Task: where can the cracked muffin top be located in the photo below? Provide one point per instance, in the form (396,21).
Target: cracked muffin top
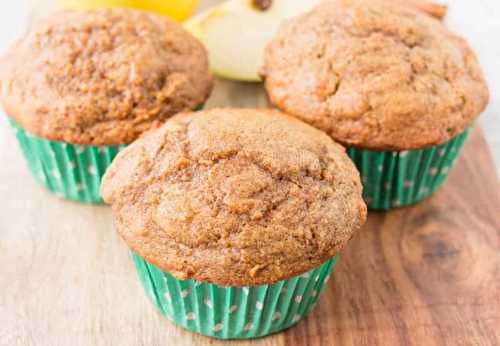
(235,197)
(102,77)
(375,75)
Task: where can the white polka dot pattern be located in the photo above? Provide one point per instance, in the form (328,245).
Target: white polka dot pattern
(69,171)
(393,179)
(208,303)
(233,312)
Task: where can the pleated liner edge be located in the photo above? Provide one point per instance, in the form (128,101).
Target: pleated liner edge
(233,312)
(69,171)
(395,179)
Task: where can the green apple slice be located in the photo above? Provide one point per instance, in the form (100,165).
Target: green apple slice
(237,31)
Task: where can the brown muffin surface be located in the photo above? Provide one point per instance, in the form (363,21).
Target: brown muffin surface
(102,77)
(235,197)
(374,74)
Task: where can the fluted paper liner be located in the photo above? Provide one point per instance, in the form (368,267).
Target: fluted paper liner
(70,171)
(233,312)
(395,179)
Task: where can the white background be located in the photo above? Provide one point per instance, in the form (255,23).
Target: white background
(478,21)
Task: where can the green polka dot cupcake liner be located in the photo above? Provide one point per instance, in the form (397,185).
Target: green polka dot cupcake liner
(70,171)
(396,179)
(233,312)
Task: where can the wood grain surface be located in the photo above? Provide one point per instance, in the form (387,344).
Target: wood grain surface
(424,275)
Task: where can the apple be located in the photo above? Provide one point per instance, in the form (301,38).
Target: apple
(237,31)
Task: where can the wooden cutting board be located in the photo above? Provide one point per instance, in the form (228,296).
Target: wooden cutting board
(423,275)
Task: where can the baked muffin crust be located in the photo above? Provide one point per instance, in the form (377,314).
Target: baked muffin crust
(102,77)
(235,197)
(375,74)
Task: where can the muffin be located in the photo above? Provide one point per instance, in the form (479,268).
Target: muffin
(79,86)
(390,83)
(234,217)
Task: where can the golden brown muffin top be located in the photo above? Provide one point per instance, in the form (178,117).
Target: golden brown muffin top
(103,76)
(374,74)
(235,197)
